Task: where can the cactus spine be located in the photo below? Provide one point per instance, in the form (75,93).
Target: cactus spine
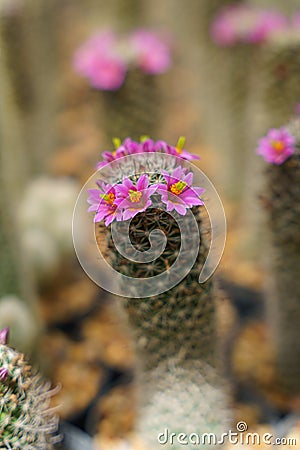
(26,421)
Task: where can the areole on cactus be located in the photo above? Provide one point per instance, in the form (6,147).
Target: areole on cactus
(26,420)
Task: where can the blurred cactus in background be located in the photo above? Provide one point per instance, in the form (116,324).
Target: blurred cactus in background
(274,93)
(26,421)
(123,68)
(239,30)
(45,216)
(29,39)
(174,331)
(15,276)
(280,148)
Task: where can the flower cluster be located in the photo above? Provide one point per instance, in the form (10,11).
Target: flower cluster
(247,24)
(277,146)
(147,145)
(105,57)
(127,198)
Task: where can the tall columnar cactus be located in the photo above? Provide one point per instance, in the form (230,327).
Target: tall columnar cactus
(26,421)
(14,276)
(275,92)
(280,148)
(235,34)
(173,323)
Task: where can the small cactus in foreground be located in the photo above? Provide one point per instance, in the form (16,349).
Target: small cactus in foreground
(26,421)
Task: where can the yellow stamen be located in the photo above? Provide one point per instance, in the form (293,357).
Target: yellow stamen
(278,146)
(178,187)
(180,144)
(135,196)
(109,198)
(116,142)
(144,138)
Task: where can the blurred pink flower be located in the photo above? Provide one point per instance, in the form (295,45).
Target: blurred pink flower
(4,336)
(297,109)
(243,23)
(99,61)
(277,146)
(296,20)
(152,52)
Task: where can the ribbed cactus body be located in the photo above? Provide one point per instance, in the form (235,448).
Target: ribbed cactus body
(134,109)
(177,323)
(283,204)
(26,422)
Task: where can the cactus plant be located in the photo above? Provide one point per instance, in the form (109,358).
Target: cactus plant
(122,69)
(15,278)
(275,92)
(280,148)
(239,30)
(172,328)
(26,421)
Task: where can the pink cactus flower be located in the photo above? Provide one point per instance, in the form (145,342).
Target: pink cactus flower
(100,62)
(277,146)
(243,23)
(152,52)
(129,147)
(134,198)
(178,192)
(4,336)
(102,202)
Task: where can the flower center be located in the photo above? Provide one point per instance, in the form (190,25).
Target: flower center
(178,187)
(178,150)
(134,196)
(109,198)
(278,146)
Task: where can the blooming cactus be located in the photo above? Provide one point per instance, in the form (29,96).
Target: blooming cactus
(153,186)
(154,189)
(282,194)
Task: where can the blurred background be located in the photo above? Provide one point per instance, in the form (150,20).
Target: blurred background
(220,73)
